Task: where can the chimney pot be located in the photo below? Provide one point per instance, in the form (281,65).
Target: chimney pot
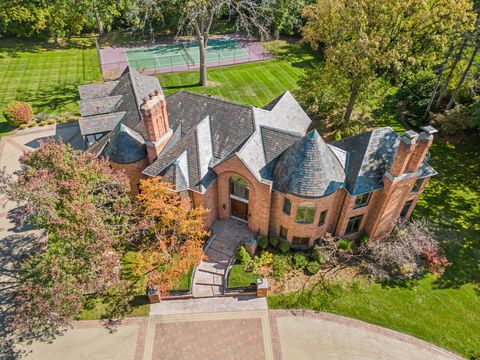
(430,130)
(412,135)
(151,95)
(157,92)
(145,99)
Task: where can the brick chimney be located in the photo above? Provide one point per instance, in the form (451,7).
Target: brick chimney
(157,127)
(424,142)
(404,152)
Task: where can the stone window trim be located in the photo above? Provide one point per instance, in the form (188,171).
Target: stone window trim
(305,213)
(418,184)
(287,206)
(283,234)
(353,225)
(322,218)
(362,200)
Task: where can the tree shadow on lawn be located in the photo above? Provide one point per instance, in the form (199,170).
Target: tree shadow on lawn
(55,99)
(452,201)
(13,47)
(296,53)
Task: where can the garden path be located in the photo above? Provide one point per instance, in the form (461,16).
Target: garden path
(209,278)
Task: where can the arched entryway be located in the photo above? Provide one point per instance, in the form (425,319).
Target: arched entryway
(239,194)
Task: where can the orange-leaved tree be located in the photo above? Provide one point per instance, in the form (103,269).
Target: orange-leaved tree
(173,233)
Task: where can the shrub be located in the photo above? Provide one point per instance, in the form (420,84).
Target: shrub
(344,245)
(320,254)
(363,239)
(72,118)
(313,267)
(243,256)
(51,121)
(31,124)
(22,126)
(17,113)
(274,241)
(284,246)
(62,119)
(255,264)
(266,258)
(280,266)
(300,259)
(453,121)
(263,242)
(42,123)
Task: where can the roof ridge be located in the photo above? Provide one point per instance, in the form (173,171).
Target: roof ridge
(214,98)
(288,132)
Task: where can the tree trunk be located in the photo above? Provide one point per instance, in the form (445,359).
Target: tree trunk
(464,76)
(458,57)
(437,83)
(351,102)
(101,29)
(203,65)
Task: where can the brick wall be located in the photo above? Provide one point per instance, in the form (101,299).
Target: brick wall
(259,194)
(209,200)
(278,218)
(133,171)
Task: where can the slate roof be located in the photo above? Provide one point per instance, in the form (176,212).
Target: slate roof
(125,146)
(100,123)
(308,168)
(270,141)
(369,156)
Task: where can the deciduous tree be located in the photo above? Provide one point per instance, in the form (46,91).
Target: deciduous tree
(366,38)
(85,209)
(172,235)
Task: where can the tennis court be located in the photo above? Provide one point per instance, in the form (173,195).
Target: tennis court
(182,55)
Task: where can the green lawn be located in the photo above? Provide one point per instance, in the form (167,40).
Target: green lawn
(185,281)
(239,277)
(253,83)
(44,75)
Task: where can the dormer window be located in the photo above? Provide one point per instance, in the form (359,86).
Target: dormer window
(93,138)
(362,200)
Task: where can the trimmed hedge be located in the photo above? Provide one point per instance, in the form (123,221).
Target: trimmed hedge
(284,246)
(313,267)
(263,242)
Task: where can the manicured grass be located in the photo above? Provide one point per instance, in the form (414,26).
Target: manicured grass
(251,84)
(446,317)
(185,281)
(239,277)
(44,75)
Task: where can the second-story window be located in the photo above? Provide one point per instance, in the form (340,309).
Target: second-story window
(417,185)
(287,206)
(362,200)
(305,213)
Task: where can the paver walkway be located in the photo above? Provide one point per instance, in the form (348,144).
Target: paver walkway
(210,275)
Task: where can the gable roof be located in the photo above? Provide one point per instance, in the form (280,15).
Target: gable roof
(308,168)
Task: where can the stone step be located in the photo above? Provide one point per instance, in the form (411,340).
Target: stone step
(207,290)
(213,272)
(216,256)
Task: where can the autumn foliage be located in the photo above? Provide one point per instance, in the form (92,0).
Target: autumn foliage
(18,112)
(83,207)
(173,233)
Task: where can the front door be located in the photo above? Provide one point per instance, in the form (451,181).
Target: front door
(239,209)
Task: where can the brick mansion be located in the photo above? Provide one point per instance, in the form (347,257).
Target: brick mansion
(261,166)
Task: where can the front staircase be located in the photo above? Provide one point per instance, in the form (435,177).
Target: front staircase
(209,278)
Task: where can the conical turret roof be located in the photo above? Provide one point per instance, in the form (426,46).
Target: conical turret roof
(308,168)
(126,146)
